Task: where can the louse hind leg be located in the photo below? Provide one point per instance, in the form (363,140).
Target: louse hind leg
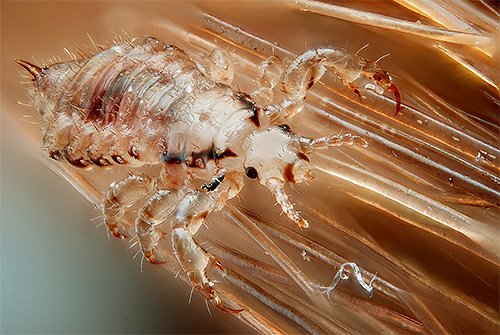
(195,260)
(190,215)
(185,211)
(123,194)
(309,67)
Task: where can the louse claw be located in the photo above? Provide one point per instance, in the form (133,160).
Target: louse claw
(397,96)
(218,303)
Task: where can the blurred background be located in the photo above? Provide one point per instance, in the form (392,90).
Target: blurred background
(60,274)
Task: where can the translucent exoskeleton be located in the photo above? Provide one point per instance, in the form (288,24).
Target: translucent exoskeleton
(145,102)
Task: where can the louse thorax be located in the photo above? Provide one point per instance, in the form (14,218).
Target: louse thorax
(277,155)
(207,138)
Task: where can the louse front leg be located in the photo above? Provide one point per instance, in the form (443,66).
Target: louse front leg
(123,194)
(309,67)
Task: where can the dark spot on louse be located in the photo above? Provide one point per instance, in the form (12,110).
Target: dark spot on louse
(303,156)
(200,159)
(94,111)
(213,185)
(251,172)
(133,152)
(255,119)
(310,84)
(80,162)
(118,159)
(288,173)
(173,159)
(250,105)
(286,128)
(56,154)
(101,161)
(226,153)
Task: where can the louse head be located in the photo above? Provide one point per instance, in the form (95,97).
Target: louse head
(277,154)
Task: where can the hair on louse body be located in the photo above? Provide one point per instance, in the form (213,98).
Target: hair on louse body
(145,102)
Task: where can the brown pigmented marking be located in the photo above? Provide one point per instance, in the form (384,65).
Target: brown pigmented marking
(94,111)
(303,156)
(133,152)
(250,105)
(101,161)
(204,215)
(288,173)
(118,159)
(226,153)
(255,119)
(55,154)
(80,162)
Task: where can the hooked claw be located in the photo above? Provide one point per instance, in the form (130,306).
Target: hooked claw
(397,96)
(224,308)
(209,293)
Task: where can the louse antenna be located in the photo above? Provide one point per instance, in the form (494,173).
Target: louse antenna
(362,48)
(382,57)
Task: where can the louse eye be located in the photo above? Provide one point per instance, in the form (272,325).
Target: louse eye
(284,127)
(251,172)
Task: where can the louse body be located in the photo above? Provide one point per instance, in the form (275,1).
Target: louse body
(144,102)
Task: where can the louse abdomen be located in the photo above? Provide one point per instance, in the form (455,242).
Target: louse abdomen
(117,106)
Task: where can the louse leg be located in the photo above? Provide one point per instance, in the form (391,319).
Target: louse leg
(355,89)
(180,209)
(309,67)
(186,212)
(147,225)
(195,260)
(123,194)
(221,67)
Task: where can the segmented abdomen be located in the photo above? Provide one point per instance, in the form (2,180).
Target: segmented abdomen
(117,106)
